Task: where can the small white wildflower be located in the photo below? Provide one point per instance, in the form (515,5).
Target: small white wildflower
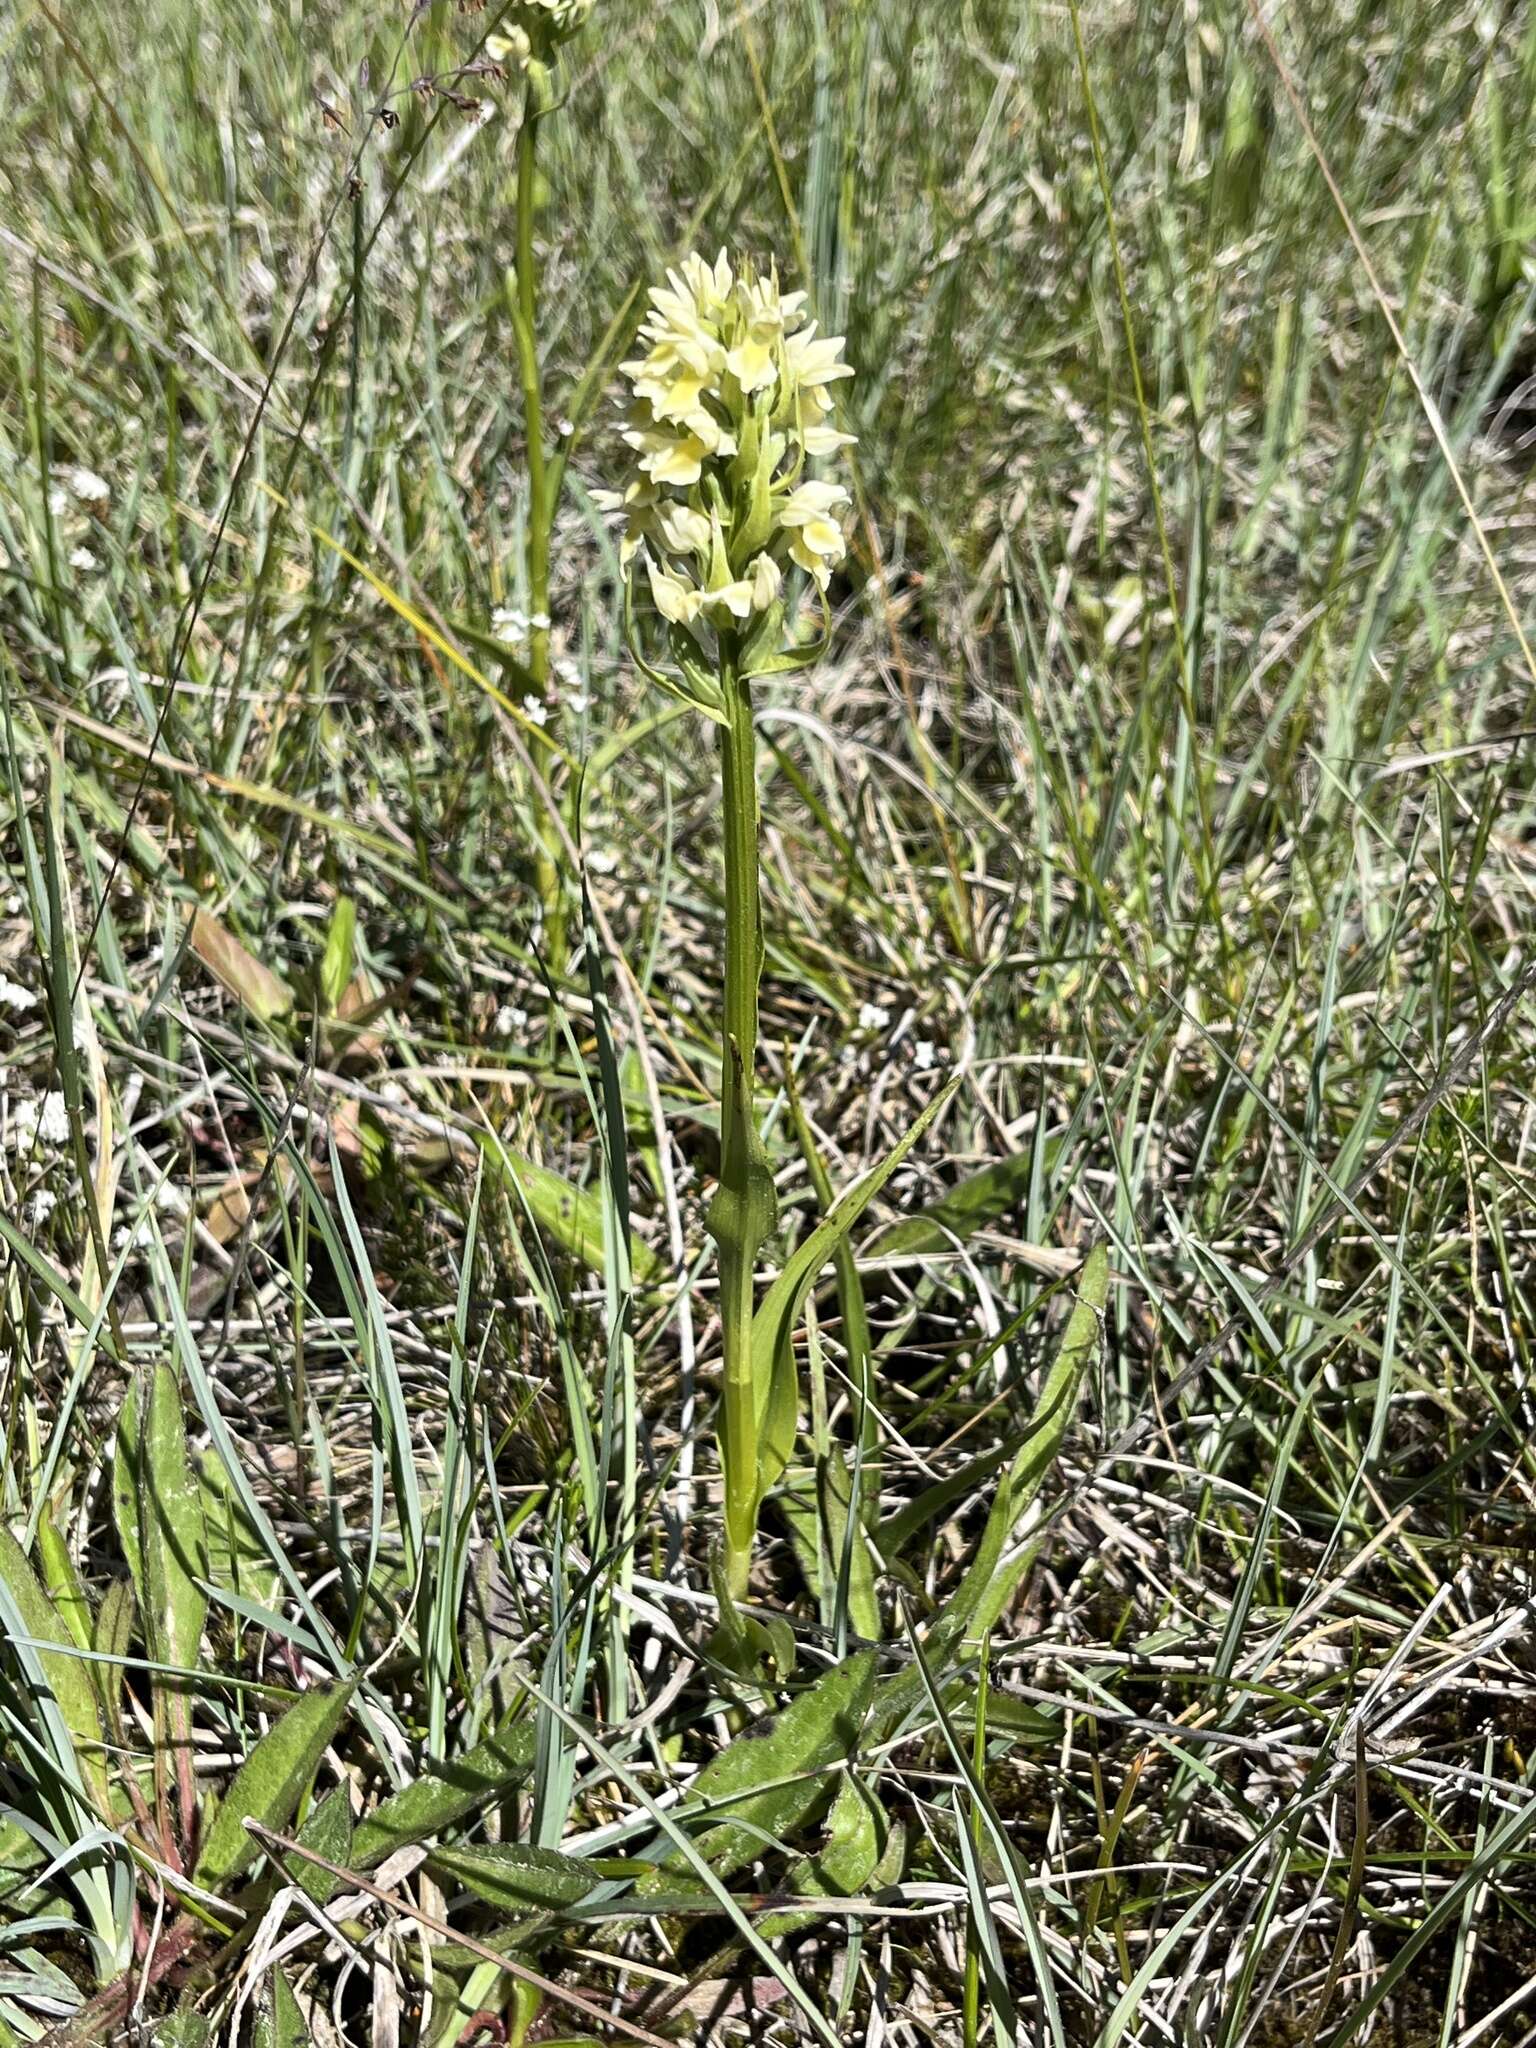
(540,622)
(88,487)
(14,997)
(923,1054)
(44,1202)
(170,1199)
(510,1018)
(566,672)
(58,501)
(535,711)
(873,1016)
(601,861)
(565,428)
(509,622)
(579,703)
(83,559)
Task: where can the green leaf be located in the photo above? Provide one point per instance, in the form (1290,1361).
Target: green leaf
(992,1576)
(773,1326)
(821,1535)
(516,1877)
(174,1544)
(280,2022)
(572,1216)
(237,1557)
(114,1626)
(327,1830)
(443,1795)
(1047,1432)
(772,1778)
(971,1204)
(843,1867)
(268,1785)
(339,957)
(67,1676)
(184,2029)
(63,1583)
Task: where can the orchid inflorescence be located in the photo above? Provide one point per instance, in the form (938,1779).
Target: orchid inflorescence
(530,31)
(730,401)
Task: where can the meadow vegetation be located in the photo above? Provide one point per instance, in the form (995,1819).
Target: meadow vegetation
(1104,1616)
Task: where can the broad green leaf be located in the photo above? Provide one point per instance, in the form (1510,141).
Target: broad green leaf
(572,1216)
(516,1877)
(171,1530)
(114,1627)
(971,1204)
(773,1326)
(819,1529)
(237,1557)
(843,1867)
(268,1785)
(327,1830)
(184,2029)
(127,1509)
(336,962)
(280,2021)
(771,1779)
(62,1582)
(443,1795)
(68,1677)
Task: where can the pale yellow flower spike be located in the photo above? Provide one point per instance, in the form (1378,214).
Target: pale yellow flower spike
(731,399)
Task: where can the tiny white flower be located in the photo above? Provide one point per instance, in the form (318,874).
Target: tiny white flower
(44,1202)
(510,1018)
(579,703)
(602,861)
(58,501)
(873,1016)
(540,622)
(536,711)
(88,487)
(14,997)
(82,558)
(923,1054)
(565,428)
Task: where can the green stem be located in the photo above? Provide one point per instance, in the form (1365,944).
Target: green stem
(525,323)
(533,398)
(741,1215)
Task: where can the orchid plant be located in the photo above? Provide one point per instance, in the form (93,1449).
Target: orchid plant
(730,403)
